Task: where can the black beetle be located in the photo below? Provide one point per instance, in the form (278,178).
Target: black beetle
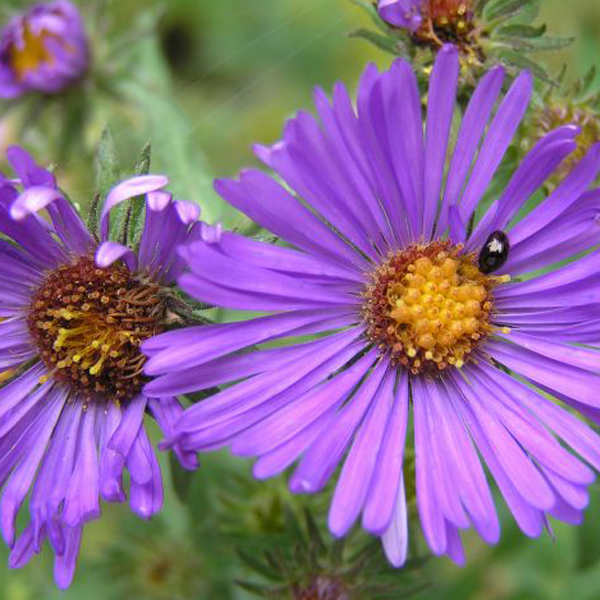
(494,252)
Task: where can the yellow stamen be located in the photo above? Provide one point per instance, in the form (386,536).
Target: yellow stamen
(32,54)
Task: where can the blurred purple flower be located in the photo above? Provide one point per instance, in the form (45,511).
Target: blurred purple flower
(43,50)
(378,262)
(73,313)
(402,13)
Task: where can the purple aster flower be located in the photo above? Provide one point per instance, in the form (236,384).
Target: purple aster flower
(433,23)
(387,300)
(43,50)
(73,313)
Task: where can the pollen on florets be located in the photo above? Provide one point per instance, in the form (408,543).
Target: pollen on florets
(88,324)
(429,307)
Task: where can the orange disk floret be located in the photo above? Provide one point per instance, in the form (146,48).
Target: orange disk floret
(429,306)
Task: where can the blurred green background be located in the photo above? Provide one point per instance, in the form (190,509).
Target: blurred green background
(218,76)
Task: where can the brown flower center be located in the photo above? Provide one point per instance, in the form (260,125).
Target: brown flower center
(449,21)
(88,324)
(429,307)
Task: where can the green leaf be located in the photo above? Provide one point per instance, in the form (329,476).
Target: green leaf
(585,84)
(254,588)
(142,165)
(551,43)
(257,565)
(523,31)
(107,163)
(529,46)
(503,10)
(138,205)
(522,62)
(94,215)
(387,44)
(173,150)
(544,44)
(107,176)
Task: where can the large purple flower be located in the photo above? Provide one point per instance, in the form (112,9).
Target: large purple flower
(73,313)
(391,293)
(43,50)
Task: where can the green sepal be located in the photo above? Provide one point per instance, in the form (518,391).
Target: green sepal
(138,204)
(107,169)
(107,176)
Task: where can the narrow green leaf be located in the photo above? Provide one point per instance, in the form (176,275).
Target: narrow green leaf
(588,80)
(523,31)
(544,44)
(253,588)
(257,565)
(387,44)
(138,205)
(522,62)
(107,163)
(107,176)
(94,215)
(551,43)
(142,165)
(503,10)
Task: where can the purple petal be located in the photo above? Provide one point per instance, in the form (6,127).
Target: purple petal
(358,471)
(395,538)
(442,96)
(498,138)
(381,499)
(137,186)
(472,127)
(110,252)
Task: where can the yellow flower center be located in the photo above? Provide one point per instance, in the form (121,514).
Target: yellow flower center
(429,307)
(32,54)
(88,324)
